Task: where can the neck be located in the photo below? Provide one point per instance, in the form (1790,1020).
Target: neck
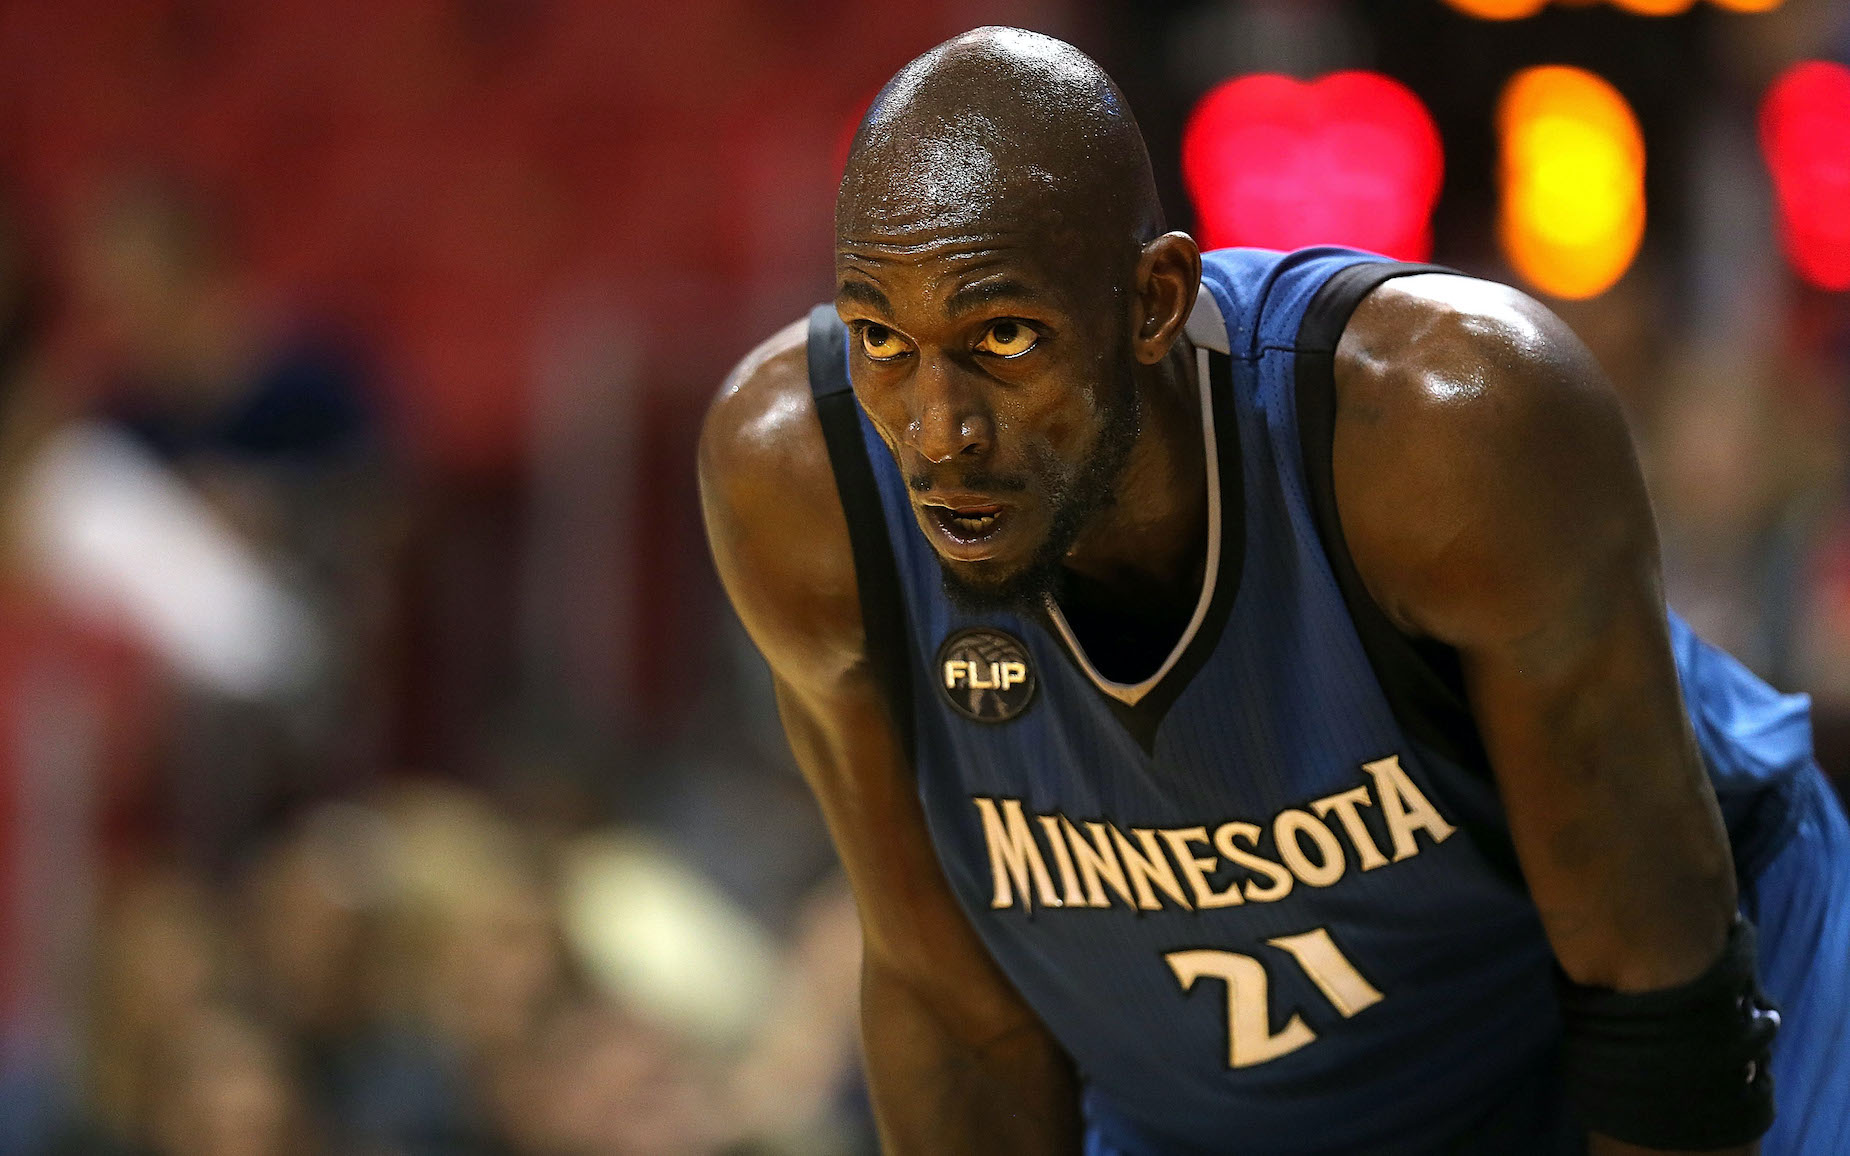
(1151,543)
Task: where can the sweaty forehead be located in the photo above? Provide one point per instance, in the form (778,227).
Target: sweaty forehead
(953,171)
(968,203)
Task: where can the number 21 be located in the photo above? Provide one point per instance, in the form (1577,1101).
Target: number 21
(1250,1038)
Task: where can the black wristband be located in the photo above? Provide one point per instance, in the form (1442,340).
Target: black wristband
(1681,1068)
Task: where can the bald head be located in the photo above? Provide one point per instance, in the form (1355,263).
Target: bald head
(1001,130)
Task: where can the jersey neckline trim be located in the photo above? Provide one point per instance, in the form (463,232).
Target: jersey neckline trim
(1207,331)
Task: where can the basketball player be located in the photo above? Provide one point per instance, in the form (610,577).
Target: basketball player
(1239,687)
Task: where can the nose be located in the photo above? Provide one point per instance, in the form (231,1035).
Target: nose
(949,416)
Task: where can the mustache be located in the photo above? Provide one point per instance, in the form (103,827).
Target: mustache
(981,483)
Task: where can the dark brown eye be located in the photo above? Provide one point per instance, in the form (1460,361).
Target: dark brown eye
(881,343)
(1007,339)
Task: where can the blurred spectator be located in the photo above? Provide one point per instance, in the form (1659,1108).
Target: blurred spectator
(798,1087)
(249,469)
(188,365)
(311,905)
(162,959)
(599,1083)
(225,1090)
(464,965)
(173,1071)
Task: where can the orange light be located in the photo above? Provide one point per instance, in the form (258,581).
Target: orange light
(1499,9)
(1518,9)
(1572,210)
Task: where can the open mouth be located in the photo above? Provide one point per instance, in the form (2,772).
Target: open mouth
(967,524)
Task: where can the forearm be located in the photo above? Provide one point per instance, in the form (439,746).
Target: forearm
(939,1089)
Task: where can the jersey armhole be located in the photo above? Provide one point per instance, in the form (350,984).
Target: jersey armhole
(876,578)
(1422,680)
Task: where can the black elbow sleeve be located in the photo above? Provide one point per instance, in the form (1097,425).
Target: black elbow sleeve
(1681,1068)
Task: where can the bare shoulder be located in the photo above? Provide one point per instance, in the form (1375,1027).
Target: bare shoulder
(773,517)
(1456,349)
(1479,452)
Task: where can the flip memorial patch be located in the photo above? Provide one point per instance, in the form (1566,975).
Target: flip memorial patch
(985,674)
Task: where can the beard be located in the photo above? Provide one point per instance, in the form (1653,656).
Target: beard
(1075,500)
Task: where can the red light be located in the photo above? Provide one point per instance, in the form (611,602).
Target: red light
(1805,133)
(1352,159)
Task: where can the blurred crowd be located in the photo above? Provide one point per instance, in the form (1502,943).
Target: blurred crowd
(417,974)
(231,927)
(381,771)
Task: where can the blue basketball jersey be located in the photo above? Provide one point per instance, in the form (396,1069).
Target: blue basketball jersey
(1265,898)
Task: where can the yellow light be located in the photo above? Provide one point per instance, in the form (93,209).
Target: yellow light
(1748,5)
(1576,191)
(1573,180)
(1499,9)
(1655,7)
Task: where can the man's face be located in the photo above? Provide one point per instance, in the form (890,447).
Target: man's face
(1003,386)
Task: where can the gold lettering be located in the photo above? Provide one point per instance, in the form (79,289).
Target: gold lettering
(1281,880)
(1330,970)
(1405,808)
(979,684)
(953,670)
(1013,672)
(1096,861)
(1345,806)
(1285,831)
(1069,882)
(1013,854)
(1198,870)
(1250,1038)
(1138,868)
(1151,866)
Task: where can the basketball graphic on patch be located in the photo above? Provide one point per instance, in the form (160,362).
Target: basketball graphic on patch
(985,674)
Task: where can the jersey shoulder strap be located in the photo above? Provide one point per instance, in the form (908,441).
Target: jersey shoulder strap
(883,607)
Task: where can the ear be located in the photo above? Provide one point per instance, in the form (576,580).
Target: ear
(1168,276)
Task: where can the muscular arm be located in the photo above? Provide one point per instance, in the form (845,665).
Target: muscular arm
(1531,549)
(956,1061)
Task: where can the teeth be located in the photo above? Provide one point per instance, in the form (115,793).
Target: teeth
(967,525)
